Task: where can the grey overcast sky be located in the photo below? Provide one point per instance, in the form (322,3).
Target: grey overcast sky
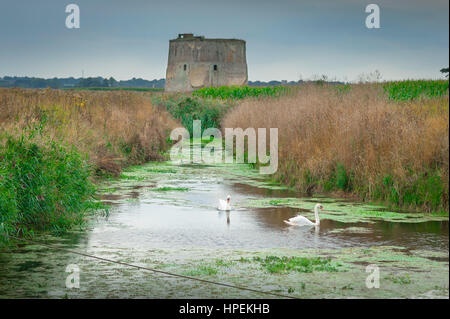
(286,39)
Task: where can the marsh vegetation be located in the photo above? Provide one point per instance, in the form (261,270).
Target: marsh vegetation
(65,154)
(54,145)
(357,140)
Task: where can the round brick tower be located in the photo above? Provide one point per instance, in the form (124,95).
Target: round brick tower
(196,62)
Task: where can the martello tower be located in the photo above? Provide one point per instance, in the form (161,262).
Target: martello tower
(196,62)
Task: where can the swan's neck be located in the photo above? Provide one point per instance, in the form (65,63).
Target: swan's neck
(316,215)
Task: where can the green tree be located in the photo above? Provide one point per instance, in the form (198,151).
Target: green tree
(112,81)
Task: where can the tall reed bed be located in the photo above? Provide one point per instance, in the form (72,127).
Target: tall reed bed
(44,186)
(114,129)
(52,143)
(358,141)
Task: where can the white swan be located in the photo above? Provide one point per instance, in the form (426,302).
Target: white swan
(303,221)
(225,205)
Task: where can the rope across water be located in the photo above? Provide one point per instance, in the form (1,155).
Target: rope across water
(150,269)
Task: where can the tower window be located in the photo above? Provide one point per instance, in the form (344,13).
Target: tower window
(215,67)
(185,67)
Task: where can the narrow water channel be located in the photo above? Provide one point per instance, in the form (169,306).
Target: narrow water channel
(162,212)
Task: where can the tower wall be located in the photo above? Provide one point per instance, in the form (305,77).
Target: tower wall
(196,62)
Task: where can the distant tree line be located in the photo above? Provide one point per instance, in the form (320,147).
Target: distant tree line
(61,83)
(71,82)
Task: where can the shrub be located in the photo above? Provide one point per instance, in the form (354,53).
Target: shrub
(43,186)
(188,109)
(240,92)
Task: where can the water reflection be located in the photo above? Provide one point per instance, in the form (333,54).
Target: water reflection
(225,214)
(188,219)
(144,219)
(167,226)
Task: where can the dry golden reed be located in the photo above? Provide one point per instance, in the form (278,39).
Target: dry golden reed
(113,128)
(357,141)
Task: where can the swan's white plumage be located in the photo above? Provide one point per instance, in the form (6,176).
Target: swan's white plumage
(224,204)
(299,221)
(303,221)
